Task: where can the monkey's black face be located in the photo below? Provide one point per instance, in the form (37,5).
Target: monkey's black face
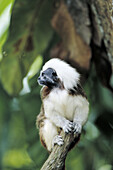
(48,78)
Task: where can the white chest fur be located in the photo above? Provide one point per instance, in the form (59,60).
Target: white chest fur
(61,102)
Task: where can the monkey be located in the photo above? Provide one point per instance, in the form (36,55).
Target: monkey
(64,103)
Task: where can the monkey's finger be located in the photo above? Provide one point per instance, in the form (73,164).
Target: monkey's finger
(57,140)
(77,129)
(68,130)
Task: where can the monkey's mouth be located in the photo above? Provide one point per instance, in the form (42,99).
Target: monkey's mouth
(47,81)
(41,82)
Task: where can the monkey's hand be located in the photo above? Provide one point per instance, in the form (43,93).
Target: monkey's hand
(57,140)
(68,126)
(77,128)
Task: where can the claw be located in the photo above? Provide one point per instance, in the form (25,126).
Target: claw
(77,128)
(57,140)
(68,127)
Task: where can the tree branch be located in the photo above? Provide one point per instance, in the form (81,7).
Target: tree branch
(56,160)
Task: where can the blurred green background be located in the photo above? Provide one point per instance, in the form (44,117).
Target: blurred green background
(24,39)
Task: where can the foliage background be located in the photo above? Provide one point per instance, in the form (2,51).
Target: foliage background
(22,47)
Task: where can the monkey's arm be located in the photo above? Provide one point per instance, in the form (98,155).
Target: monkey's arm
(59,121)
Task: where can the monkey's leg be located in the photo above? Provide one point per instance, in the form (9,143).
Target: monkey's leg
(49,135)
(80,116)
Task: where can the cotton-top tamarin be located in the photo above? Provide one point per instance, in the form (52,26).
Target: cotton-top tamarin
(64,104)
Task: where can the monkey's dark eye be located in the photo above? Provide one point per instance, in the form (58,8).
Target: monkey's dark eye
(42,74)
(54,74)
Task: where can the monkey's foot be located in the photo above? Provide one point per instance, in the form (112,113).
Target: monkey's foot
(57,140)
(77,128)
(68,126)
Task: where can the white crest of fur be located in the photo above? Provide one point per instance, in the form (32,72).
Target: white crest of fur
(67,74)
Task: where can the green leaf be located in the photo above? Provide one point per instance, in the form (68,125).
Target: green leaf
(17,158)
(35,67)
(106,167)
(2,40)
(5,116)
(4,4)
(12,74)
(30,34)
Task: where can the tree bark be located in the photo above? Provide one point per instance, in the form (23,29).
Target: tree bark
(56,160)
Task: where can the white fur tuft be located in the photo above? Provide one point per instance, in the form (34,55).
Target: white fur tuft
(67,74)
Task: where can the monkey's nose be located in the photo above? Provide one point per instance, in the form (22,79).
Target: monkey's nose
(38,78)
(44,77)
